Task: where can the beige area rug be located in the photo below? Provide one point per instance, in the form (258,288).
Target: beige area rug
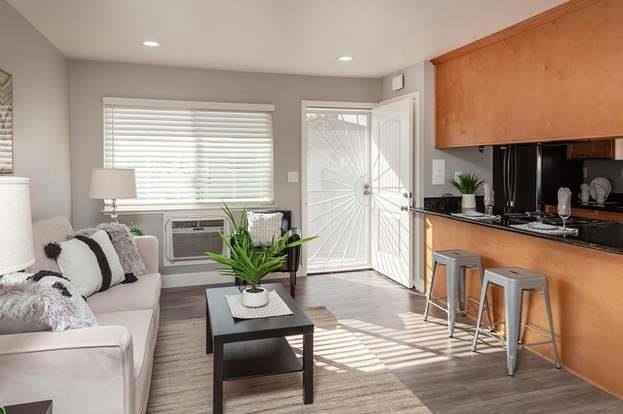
(348,378)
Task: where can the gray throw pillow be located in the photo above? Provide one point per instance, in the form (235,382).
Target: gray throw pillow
(40,302)
(126,248)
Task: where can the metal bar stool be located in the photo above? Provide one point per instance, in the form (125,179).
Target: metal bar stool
(456,262)
(515,281)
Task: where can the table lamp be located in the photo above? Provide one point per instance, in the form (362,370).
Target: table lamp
(113,184)
(16,241)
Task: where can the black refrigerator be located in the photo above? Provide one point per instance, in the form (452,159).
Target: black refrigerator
(519,168)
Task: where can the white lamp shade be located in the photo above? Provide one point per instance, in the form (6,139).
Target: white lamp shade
(113,183)
(16,245)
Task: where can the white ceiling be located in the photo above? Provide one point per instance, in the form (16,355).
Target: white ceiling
(282,36)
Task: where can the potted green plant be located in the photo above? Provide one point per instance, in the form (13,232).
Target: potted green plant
(467,184)
(251,263)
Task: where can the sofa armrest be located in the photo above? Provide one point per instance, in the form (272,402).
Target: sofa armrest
(81,370)
(148,248)
(293,258)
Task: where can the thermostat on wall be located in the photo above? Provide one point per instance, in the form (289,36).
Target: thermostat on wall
(398,82)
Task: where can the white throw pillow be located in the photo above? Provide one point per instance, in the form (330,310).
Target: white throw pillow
(103,239)
(90,263)
(264,228)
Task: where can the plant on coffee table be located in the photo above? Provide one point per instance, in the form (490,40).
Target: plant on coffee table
(248,262)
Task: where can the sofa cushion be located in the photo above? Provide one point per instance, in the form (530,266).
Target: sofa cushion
(142,325)
(139,323)
(142,294)
(46,231)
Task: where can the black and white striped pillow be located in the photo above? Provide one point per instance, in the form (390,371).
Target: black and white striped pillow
(90,263)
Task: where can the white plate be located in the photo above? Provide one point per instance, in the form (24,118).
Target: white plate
(604,183)
(473,214)
(542,226)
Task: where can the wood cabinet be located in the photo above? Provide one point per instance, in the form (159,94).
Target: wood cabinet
(598,149)
(552,77)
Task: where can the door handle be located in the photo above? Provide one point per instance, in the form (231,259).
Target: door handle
(404,208)
(407,195)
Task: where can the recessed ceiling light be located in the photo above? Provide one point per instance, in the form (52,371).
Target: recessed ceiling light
(150,43)
(345,58)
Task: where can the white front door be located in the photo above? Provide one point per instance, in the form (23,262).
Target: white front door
(392,190)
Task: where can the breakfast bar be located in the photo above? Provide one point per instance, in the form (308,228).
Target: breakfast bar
(584,272)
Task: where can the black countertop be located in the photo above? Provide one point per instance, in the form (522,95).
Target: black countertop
(600,235)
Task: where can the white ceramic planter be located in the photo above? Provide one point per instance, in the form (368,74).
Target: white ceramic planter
(468,202)
(254,299)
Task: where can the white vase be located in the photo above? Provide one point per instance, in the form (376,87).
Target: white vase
(468,202)
(254,299)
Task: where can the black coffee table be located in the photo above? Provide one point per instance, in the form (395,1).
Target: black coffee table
(247,348)
(40,407)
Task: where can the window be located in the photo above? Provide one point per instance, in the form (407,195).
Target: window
(187,154)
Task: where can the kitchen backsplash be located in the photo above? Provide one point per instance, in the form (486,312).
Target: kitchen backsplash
(612,170)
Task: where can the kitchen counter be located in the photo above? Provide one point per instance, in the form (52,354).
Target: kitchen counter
(584,276)
(600,235)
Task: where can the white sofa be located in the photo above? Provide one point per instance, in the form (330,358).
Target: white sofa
(104,369)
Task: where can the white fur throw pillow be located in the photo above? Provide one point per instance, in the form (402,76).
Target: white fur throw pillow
(40,302)
(264,228)
(90,263)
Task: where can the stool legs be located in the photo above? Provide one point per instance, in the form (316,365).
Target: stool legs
(481,272)
(481,306)
(462,276)
(452,285)
(552,335)
(430,290)
(512,298)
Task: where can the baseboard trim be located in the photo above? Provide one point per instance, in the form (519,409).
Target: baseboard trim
(207,278)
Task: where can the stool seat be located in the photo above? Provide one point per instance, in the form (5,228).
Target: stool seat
(516,280)
(518,277)
(454,254)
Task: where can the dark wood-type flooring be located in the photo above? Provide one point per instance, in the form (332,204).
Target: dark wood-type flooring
(441,371)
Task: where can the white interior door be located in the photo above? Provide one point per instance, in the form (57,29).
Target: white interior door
(337,177)
(392,190)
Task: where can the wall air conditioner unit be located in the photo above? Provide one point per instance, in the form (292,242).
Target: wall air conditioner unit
(187,239)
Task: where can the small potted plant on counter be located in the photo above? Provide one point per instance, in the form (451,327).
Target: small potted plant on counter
(467,184)
(250,263)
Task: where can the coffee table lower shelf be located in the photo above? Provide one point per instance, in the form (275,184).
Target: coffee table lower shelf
(258,358)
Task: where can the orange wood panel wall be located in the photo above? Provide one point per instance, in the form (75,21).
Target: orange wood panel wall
(553,77)
(586,289)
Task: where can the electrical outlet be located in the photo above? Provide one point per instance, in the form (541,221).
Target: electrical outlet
(456,175)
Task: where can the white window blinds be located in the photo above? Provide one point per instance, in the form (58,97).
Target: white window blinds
(190,153)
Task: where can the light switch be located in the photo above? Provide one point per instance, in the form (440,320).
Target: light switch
(439,172)
(293,176)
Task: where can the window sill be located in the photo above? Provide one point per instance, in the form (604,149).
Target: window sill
(129,210)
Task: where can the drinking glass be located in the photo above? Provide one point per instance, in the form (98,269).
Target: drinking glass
(564,212)
(489,202)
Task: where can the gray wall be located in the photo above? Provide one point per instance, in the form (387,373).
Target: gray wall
(421,77)
(41,113)
(612,170)
(90,81)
